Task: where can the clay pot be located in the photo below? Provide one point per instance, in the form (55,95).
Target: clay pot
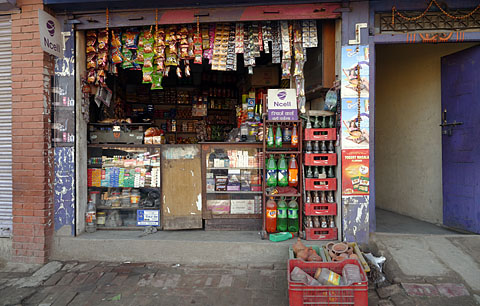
(329,245)
(298,246)
(302,254)
(332,254)
(340,247)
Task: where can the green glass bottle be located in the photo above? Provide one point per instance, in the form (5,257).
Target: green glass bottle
(292,216)
(282,171)
(324,122)
(270,140)
(278,137)
(282,215)
(271,172)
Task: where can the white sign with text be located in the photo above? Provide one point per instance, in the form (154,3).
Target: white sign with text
(50,34)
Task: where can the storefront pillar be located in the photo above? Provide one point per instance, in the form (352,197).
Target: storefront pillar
(32,163)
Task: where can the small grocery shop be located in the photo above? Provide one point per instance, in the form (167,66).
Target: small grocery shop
(204,122)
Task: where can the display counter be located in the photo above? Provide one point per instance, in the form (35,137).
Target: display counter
(232,186)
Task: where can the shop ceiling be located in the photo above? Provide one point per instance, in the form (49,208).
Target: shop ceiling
(91,14)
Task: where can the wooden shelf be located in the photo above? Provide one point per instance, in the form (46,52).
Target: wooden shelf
(283,195)
(119,145)
(283,152)
(233,168)
(126,208)
(237,216)
(244,192)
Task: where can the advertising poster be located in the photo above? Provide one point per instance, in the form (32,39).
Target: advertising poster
(351,57)
(355,172)
(148,217)
(282,104)
(355,123)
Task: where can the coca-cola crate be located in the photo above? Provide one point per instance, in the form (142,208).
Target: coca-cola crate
(321,134)
(320,209)
(321,184)
(312,159)
(329,233)
(302,294)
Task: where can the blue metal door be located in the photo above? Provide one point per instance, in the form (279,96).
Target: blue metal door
(461,139)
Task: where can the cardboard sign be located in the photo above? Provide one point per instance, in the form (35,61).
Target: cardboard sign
(355,172)
(282,104)
(148,217)
(50,34)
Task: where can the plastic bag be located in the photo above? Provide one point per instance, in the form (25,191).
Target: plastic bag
(331,100)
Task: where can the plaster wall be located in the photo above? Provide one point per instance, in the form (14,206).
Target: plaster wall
(408,140)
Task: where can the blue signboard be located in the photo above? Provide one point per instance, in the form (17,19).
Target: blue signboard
(148,217)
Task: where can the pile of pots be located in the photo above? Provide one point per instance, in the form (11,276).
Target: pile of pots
(340,251)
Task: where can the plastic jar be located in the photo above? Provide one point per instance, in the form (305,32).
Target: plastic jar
(135,197)
(101,218)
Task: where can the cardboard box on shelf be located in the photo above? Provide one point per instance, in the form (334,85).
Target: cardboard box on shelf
(218,207)
(242,206)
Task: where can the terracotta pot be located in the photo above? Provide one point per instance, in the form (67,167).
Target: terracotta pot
(332,254)
(329,245)
(340,247)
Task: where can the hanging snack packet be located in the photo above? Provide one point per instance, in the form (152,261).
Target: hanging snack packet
(286,69)
(116,56)
(148,60)
(130,39)
(171,58)
(91,41)
(157,81)
(102,59)
(116,42)
(127,58)
(147,75)
(179,72)
(91,60)
(91,76)
(171,40)
(102,39)
(187,68)
(101,76)
(139,58)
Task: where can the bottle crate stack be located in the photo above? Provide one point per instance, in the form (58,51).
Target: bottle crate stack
(320,162)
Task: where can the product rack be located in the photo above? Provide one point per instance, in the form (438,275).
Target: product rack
(315,209)
(286,149)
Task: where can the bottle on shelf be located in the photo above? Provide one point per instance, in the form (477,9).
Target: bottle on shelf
(330,172)
(316,123)
(293,172)
(91,218)
(308,125)
(331,122)
(308,197)
(278,137)
(270,138)
(331,147)
(316,198)
(282,171)
(330,197)
(287,135)
(294,136)
(272,176)
(293,216)
(322,199)
(316,147)
(309,172)
(323,173)
(282,215)
(316,173)
(323,222)
(308,147)
(323,148)
(271,218)
(331,221)
(324,122)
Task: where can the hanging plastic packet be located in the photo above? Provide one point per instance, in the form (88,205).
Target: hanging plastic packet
(187,68)
(156,81)
(91,42)
(331,100)
(276,44)
(91,60)
(102,59)
(101,76)
(197,45)
(285,39)
(116,56)
(286,69)
(208,53)
(171,58)
(147,75)
(130,39)
(171,40)
(260,37)
(127,58)
(239,34)
(116,42)
(91,76)
(166,71)
(205,37)
(179,72)
(313,33)
(148,60)
(306,33)
(102,39)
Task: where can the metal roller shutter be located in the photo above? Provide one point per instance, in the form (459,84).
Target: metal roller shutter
(5,126)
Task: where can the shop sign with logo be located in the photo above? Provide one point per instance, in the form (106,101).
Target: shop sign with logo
(282,104)
(50,34)
(148,217)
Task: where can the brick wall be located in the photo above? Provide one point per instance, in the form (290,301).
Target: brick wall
(32,152)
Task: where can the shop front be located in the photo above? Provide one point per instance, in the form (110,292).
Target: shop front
(175,127)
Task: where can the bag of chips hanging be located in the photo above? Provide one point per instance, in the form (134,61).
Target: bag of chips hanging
(157,81)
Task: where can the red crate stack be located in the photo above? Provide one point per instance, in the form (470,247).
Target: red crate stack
(319,170)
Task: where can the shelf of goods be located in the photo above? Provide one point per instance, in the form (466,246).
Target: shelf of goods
(232,186)
(124,185)
(320,207)
(282,187)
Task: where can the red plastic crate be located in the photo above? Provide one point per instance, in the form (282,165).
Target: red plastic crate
(321,134)
(312,159)
(321,233)
(301,294)
(321,184)
(320,209)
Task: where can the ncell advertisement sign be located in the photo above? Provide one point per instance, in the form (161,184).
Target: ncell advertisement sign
(282,104)
(50,34)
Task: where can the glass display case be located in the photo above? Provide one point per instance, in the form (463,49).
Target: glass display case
(232,181)
(124,185)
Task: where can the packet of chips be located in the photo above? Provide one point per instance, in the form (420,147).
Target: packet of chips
(148,60)
(157,81)
(116,42)
(91,41)
(91,76)
(147,75)
(127,56)
(130,39)
(102,39)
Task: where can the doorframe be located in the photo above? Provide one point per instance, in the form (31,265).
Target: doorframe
(414,37)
